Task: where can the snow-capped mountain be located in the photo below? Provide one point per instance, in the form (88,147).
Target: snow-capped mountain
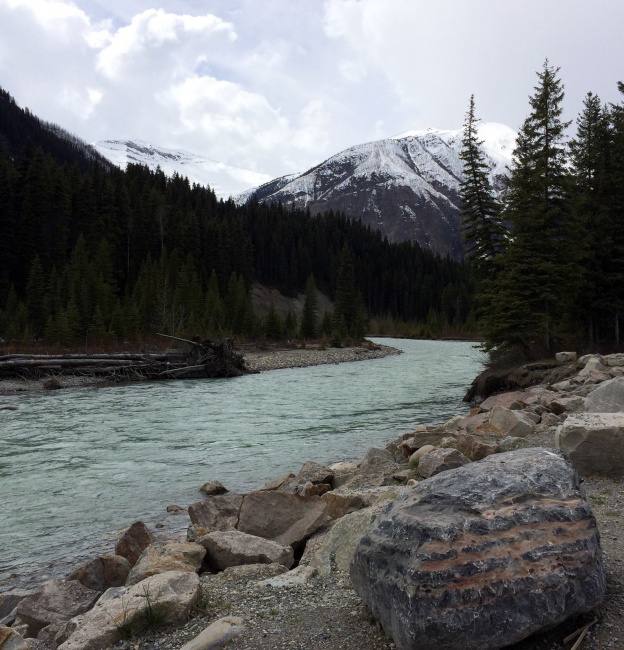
(406,186)
(224,179)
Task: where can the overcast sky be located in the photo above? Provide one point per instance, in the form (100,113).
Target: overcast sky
(279,85)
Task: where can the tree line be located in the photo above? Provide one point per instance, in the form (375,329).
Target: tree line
(91,251)
(548,260)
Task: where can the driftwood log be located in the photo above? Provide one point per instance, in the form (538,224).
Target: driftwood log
(202,359)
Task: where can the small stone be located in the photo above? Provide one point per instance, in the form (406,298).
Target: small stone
(217,635)
(212,488)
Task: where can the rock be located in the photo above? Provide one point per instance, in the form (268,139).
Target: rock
(606,398)
(313,489)
(511,444)
(476,447)
(173,593)
(563,386)
(426,437)
(11,640)
(102,572)
(586,357)
(505,399)
(9,600)
(567,405)
(133,542)
(534,417)
(217,513)
(447,442)
(337,547)
(412,482)
(375,453)
(594,364)
(163,558)
(213,488)
(614,360)
(295,578)
(248,572)
(419,453)
(288,519)
(339,505)
(55,601)
(594,442)
(344,466)
(176,510)
(564,357)
(278,482)
(232,548)
(510,539)
(52,383)
(511,423)
(550,420)
(596,378)
(440,460)
(474,423)
(404,475)
(315,473)
(453,423)
(217,635)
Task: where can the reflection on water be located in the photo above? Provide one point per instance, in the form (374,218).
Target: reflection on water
(77,465)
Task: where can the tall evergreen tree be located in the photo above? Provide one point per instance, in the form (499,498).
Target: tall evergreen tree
(529,296)
(482,227)
(309,316)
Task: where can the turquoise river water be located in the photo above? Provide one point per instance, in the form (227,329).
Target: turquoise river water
(77,465)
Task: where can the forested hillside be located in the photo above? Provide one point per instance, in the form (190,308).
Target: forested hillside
(90,251)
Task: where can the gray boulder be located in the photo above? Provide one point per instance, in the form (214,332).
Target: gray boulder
(213,488)
(606,398)
(216,513)
(133,542)
(233,548)
(482,556)
(563,357)
(614,360)
(9,600)
(440,460)
(55,601)
(478,445)
(567,405)
(594,442)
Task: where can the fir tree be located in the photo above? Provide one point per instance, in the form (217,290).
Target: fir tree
(482,227)
(528,301)
(309,316)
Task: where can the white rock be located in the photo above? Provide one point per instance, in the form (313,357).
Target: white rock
(594,364)
(594,442)
(454,423)
(563,357)
(174,592)
(606,398)
(217,635)
(615,360)
(512,423)
(419,453)
(232,548)
(344,466)
(295,578)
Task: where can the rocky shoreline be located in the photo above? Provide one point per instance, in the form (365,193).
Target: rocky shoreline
(256,360)
(314,605)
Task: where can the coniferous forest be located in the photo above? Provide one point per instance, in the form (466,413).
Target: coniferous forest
(548,262)
(91,252)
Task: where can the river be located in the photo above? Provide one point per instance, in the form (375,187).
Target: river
(77,465)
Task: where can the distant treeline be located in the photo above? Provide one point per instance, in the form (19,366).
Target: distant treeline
(88,250)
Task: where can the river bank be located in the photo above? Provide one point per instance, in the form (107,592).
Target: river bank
(324,612)
(255,359)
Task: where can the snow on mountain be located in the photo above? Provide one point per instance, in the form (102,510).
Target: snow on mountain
(224,179)
(406,186)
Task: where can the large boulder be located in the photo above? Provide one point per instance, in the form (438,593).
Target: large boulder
(102,572)
(440,460)
(614,360)
(477,446)
(172,593)
(162,558)
(563,405)
(594,442)
(55,601)
(511,423)
(288,519)
(606,398)
(483,556)
(9,600)
(133,542)
(216,513)
(232,548)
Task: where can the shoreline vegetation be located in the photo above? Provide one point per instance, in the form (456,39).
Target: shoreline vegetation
(256,359)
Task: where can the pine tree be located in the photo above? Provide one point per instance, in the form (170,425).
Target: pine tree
(309,316)
(528,300)
(273,326)
(482,227)
(348,311)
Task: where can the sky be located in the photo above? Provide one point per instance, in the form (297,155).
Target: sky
(277,86)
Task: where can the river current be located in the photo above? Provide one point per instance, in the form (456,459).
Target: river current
(77,465)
